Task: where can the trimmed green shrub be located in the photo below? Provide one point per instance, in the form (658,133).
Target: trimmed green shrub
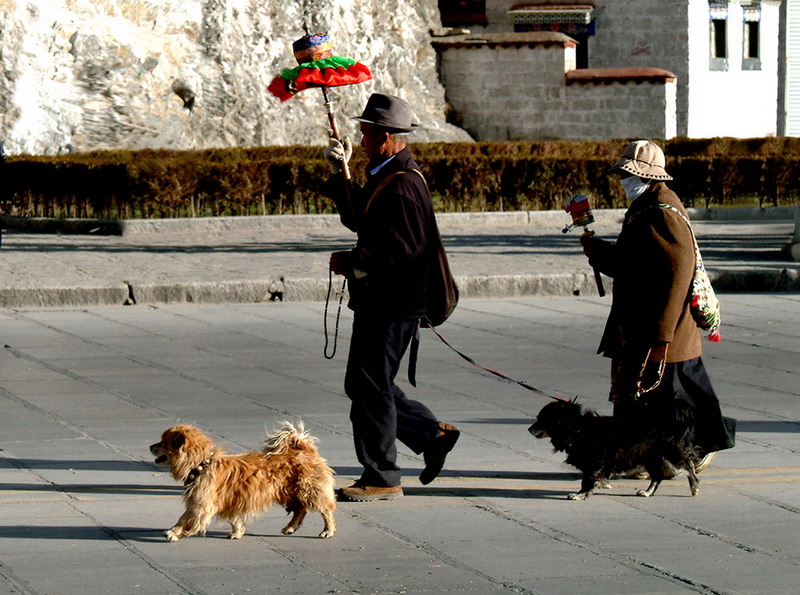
(462,177)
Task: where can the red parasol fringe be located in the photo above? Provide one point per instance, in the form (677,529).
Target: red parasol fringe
(284,89)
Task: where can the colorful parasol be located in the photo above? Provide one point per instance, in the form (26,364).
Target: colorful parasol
(318,67)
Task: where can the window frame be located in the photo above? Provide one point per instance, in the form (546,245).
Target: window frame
(751,37)
(718,48)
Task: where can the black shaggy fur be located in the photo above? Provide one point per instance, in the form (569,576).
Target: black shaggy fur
(658,438)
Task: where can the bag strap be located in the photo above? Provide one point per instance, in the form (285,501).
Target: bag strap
(415,340)
(661,205)
(665,206)
(419,173)
(379,188)
(388,179)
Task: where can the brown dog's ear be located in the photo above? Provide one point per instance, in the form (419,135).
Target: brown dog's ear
(178,440)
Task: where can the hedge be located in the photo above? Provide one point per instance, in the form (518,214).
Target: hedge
(462,177)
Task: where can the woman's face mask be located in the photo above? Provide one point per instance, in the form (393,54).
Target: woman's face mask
(634,187)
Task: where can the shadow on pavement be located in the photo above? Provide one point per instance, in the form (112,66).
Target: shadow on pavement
(90,465)
(768,426)
(95,488)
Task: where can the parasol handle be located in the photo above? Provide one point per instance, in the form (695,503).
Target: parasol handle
(597,279)
(599,282)
(334,128)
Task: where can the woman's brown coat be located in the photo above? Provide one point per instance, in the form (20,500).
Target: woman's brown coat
(652,264)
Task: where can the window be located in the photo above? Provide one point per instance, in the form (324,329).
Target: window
(462,13)
(751,39)
(582,51)
(718,35)
(575,20)
(719,38)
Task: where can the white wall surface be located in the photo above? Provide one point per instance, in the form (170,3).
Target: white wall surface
(739,103)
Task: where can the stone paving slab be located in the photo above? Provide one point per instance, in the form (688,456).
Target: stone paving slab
(84,391)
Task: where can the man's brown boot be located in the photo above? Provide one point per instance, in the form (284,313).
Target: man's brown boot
(436,453)
(361,493)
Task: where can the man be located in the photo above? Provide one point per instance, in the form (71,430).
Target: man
(650,336)
(387,274)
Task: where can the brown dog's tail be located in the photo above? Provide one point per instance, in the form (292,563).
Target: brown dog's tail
(289,437)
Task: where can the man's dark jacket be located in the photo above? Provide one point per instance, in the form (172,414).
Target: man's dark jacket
(393,246)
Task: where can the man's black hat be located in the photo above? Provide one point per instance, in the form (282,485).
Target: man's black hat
(388,111)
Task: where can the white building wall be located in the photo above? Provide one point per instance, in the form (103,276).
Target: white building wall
(617,110)
(653,35)
(789,119)
(674,35)
(503,93)
(521,93)
(736,102)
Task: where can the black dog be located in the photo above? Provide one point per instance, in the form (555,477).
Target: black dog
(657,438)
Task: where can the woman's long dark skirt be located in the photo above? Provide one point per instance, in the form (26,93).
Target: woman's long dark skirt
(689,382)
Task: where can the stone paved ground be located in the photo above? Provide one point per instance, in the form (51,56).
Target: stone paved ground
(241,264)
(84,391)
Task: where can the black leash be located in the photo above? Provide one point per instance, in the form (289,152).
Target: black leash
(524,385)
(412,367)
(338,315)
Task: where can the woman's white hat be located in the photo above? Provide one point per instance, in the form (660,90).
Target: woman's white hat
(643,159)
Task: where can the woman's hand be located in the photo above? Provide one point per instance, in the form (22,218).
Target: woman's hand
(587,242)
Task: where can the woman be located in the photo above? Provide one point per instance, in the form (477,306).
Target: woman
(650,336)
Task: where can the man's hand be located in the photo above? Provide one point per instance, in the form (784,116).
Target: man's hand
(338,152)
(340,263)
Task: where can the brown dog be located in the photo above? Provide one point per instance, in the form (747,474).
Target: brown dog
(289,471)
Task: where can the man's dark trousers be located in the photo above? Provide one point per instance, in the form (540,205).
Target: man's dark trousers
(380,412)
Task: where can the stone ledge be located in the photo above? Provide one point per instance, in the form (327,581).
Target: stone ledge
(316,290)
(508,40)
(606,76)
(305,222)
(792,252)
(66,226)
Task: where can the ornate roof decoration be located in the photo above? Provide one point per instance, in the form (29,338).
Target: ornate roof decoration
(536,13)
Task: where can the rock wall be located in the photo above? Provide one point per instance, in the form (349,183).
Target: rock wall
(81,75)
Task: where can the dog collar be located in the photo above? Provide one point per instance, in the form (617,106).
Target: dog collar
(194,474)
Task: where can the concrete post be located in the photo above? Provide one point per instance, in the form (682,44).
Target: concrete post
(793,249)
